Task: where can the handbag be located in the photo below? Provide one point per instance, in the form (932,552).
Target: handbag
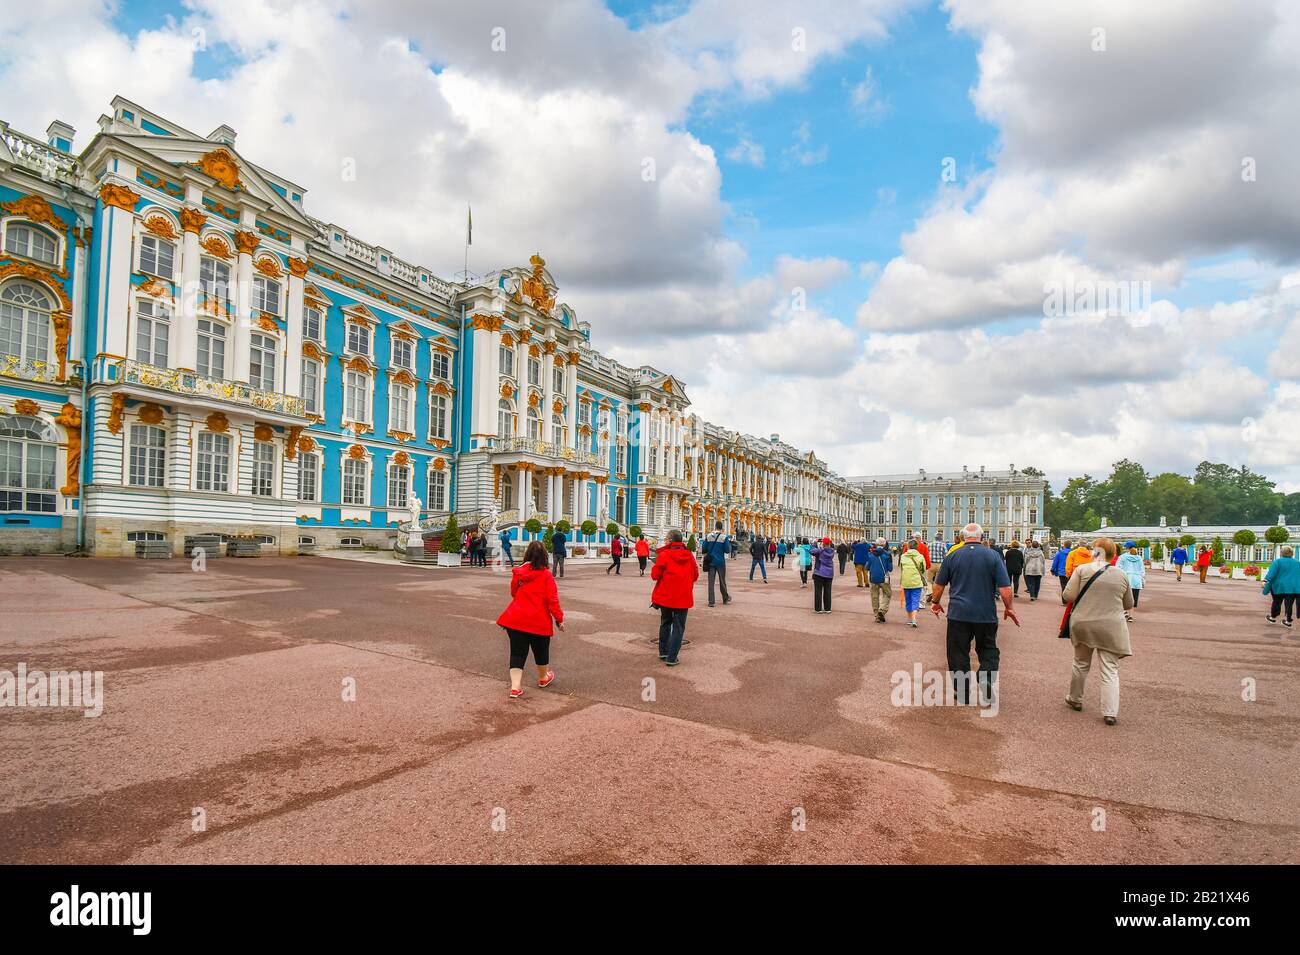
(709,541)
(1064,633)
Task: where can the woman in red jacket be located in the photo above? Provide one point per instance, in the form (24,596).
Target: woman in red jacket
(534,601)
(616,552)
(1203,562)
(674,573)
(642,552)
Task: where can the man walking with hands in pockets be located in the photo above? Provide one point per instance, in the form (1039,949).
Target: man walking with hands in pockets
(975,577)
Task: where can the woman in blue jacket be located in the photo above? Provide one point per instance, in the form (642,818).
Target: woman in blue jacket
(1283,582)
(1131,563)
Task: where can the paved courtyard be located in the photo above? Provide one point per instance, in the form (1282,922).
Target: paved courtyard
(775,741)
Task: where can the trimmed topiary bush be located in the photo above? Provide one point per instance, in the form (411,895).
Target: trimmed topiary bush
(588,527)
(563,526)
(533,525)
(451,537)
(634,530)
(611,528)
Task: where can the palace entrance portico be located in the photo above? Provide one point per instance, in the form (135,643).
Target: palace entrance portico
(537,479)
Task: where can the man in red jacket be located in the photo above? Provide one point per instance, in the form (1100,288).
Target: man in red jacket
(674,573)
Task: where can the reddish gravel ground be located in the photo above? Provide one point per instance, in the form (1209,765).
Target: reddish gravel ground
(775,741)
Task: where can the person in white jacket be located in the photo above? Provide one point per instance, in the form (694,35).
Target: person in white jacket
(1135,568)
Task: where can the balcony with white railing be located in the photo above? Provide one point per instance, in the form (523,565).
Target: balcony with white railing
(216,391)
(39,157)
(536,446)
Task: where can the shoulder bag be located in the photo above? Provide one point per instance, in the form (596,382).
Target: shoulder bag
(1064,633)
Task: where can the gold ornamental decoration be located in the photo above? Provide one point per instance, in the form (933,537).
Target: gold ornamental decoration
(291,442)
(120,197)
(401,459)
(535,286)
(644,406)
(549,347)
(70,418)
(35,209)
(192,220)
(573,358)
(306,444)
(267,323)
(439,463)
(160,226)
(298,268)
(556,407)
(268,267)
(214,245)
(26,406)
(221,166)
(263,432)
(507,392)
(310,350)
(217,422)
(150,413)
(246,242)
(115,413)
(534,400)
(525,335)
(356,452)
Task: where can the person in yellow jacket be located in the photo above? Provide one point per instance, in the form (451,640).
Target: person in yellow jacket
(1078,557)
(912,564)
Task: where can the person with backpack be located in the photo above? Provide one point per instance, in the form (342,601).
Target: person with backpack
(642,553)
(534,603)
(616,552)
(911,564)
(674,573)
(1058,564)
(803,554)
(880,564)
(715,548)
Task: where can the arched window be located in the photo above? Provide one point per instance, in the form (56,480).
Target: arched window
(157,257)
(438,417)
(534,424)
(214,281)
(28,447)
(25,322)
(505,418)
(557,430)
(507,491)
(31,243)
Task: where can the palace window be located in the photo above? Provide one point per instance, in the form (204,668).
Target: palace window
(261,362)
(399,408)
(403,354)
(438,417)
(354,481)
(534,424)
(266,295)
(212,349)
(584,413)
(437,491)
(399,483)
(31,243)
(507,491)
(157,256)
(311,385)
(214,279)
(351,542)
(440,366)
(148,456)
(311,323)
(134,536)
(25,322)
(27,454)
(654,460)
(309,476)
(507,361)
(557,430)
(151,330)
(557,380)
(620,465)
(359,339)
(263,468)
(212,462)
(505,418)
(356,397)
(534,371)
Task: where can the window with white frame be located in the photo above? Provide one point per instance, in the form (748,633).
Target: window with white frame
(311,323)
(399,484)
(557,430)
(356,397)
(437,491)
(584,412)
(400,399)
(438,417)
(620,466)
(266,295)
(403,354)
(507,361)
(212,349)
(31,243)
(25,322)
(359,339)
(311,385)
(534,424)
(440,366)
(148,462)
(261,362)
(152,327)
(309,476)
(354,481)
(557,380)
(212,462)
(263,468)
(157,256)
(28,450)
(534,371)
(214,279)
(505,418)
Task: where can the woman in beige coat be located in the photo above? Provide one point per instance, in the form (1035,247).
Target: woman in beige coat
(1097,625)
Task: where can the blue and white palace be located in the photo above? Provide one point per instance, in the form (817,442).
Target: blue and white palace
(184,349)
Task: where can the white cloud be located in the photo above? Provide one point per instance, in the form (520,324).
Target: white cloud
(748,152)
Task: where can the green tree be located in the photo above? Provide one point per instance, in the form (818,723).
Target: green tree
(547,538)
(1157,552)
(588,528)
(563,526)
(1277,536)
(1244,537)
(450,543)
(692,544)
(1170,496)
(1187,540)
(634,530)
(611,528)
(533,525)
(1216,550)
(1069,510)
(1122,497)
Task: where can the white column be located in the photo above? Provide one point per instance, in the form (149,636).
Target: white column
(571,400)
(524,495)
(293,340)
(117,228)
(243,305)
(580,500)
(187,332)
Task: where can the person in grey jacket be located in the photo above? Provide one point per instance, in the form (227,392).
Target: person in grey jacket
(1098,626)
(1035,567)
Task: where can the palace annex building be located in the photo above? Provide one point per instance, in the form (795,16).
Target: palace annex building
(185,350)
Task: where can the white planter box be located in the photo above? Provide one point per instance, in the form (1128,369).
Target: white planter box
(448,560)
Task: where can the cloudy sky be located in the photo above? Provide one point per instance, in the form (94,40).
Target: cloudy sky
(882,228)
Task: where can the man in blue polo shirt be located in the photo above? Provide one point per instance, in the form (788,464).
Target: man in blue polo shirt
(975,577)
(1179,557)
